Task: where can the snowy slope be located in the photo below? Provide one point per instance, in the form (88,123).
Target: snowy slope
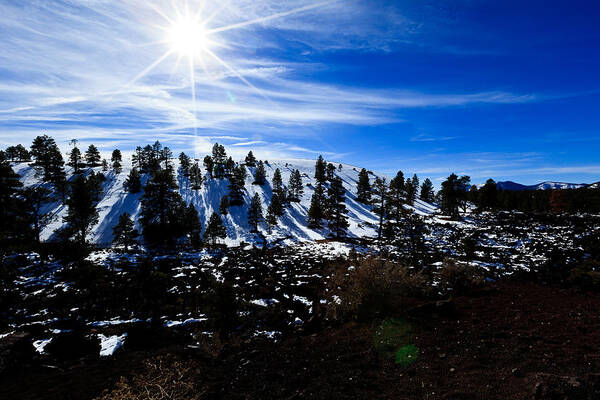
(115,201)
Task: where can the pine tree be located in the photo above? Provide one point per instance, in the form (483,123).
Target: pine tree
(137,159)
(236,186)
(224,205)
(124,233)
(163,210)
(133,183)
(427,192)
(11,153)
(81,210)
(92,156)
(276,205)
(229,167)
(250,159)
(411,187)
(215,229)
(22,153)
(453,194)
(274,211)
(116,160)
(320,167)
(219,158)
(75,160)
(255,213)
(209,165)
(395,197)
(260,176)
(36,197)
(104,165)
(193,226)
(165,157)
(380,193)
(10,204)
(196,177)
(336,215)
(316,212)
(48,159)
(94,181)
(330,172)
(295,187)
(488,195)
(363,189)
(184,164)
(277,184)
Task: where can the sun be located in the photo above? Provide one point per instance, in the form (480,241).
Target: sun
(188,37)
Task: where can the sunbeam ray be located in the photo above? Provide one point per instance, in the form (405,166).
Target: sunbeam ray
(238,75)
(149,68)
(270,17)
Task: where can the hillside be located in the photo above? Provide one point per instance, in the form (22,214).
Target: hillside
(292,226)
(548,185)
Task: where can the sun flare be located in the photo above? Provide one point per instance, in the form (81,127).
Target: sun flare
(188,37)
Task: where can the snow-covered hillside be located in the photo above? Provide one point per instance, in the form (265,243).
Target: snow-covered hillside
(509,185)
(293,224)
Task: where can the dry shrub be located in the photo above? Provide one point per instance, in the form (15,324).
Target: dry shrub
(162,378)
(459,278)
(372,288)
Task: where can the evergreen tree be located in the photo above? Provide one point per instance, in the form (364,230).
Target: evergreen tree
(165,157)
(316,212)
(380,193)
(320,167)
(81,210)
(260,176)
(104,165)
(75,160)
(336,213)
(133,183)
(184,164)
(412,186)
(92,156)
(11,153)
(219,158)
(116,160)
(10,204)
(488,195)
(255,213)
(124,233)
(330,172)
(411,239)
(209,165)
(194,226)
(94,182)
(395,196)
(229,167)
(295,187)
(427,192)
(36,197)
(137,159)
(215,229)
(48,160)
(236,186)
(22,153)
(363,189)
(224,205)
(276,206)
(453,193)
(277,184)
(163,210)
(250,159)
(196,177)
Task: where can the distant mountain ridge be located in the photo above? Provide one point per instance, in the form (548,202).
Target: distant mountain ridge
(547,185)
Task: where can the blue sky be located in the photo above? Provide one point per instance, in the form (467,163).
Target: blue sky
(507,90)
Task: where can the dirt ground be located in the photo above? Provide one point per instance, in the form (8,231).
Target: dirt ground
(513,340)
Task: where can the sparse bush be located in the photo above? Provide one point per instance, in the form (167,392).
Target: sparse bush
(161,378)
(459,278)
(374,287)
